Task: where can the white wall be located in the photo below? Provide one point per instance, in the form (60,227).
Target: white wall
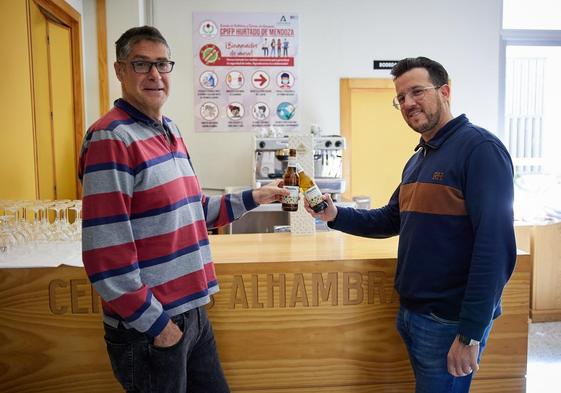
(121,15)
(77,5)
(339,39)
(91,75)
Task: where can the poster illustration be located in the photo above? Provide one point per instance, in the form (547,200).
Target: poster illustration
(245,71)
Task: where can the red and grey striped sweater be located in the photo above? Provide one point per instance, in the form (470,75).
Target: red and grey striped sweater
(144,235)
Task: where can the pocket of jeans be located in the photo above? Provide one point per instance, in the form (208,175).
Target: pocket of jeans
(121,357)
(181,325)
(171,347)
(443,321)
(168,365)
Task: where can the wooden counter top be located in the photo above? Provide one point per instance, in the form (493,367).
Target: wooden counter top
(295,314)
(285,247)
(316,313)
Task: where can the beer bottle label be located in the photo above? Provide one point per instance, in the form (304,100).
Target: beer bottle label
(313,195)
(291,199)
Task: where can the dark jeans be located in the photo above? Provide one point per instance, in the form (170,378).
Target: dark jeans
(428,339)
(191,365)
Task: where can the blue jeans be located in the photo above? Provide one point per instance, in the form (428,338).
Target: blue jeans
(191,365)
(428,339)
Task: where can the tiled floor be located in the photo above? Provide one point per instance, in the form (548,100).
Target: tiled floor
(544,358)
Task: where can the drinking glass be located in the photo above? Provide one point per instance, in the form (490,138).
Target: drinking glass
(40,226)
(55,209)
(7,239)
(15,224)
(76,226)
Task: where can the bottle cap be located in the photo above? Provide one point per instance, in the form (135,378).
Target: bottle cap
(282,154)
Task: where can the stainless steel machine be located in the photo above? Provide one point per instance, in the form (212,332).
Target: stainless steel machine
(271,157)
(270,161)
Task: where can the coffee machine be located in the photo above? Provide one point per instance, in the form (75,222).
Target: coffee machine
(271,158)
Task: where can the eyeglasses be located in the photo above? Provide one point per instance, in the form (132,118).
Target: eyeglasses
(144,67)
(416,94)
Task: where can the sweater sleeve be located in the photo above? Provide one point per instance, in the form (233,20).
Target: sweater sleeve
(108,248)
(375,223)
(489,198)
(221,210)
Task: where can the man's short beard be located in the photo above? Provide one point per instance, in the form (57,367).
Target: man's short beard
(432,120)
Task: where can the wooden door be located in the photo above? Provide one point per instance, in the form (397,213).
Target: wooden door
(41,100)
(54,106)
(42,104)
(62,109)
(17,170)
(379,140)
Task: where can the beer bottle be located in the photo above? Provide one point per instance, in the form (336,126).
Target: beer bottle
(291,183)
(311,190)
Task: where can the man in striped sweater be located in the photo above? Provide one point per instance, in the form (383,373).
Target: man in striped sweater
(145,243)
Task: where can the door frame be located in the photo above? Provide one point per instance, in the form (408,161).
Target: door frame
(62,12)
(102,66)
(346,87)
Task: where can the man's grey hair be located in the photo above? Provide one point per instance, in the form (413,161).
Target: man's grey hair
(131,37)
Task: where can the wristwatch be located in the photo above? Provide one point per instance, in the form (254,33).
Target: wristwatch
(467,341)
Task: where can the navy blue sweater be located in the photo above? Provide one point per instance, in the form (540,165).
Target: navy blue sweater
(453,212)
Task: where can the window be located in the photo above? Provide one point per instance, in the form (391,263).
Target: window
(531,58)
(532,88)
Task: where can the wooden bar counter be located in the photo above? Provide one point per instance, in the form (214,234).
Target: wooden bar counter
(543,241)
(295,314)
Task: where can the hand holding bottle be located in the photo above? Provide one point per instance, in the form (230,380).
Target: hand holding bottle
(327,214)
(291,182)
(311,191)
(272,192)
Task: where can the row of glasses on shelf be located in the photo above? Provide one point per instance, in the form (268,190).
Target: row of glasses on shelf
(25,224)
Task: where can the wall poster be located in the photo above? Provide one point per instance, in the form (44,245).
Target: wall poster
(245,71)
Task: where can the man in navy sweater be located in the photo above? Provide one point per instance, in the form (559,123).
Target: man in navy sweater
(454,217)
